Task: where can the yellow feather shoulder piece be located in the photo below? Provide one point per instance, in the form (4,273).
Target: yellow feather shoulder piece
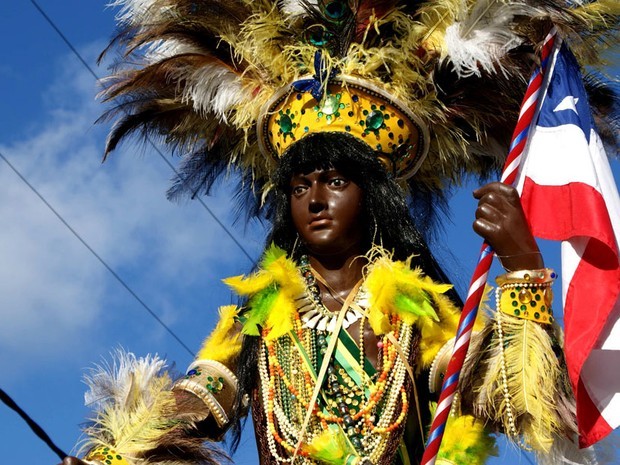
(395,288)
(224,343)
(275,268)
(272,292)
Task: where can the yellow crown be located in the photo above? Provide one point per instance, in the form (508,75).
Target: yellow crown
(351,106)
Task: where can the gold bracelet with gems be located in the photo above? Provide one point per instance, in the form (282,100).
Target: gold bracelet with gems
(526,294)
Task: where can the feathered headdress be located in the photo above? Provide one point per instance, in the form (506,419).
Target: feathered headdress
(434,87)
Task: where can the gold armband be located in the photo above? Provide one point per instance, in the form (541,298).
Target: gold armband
(526,294)
(214,384)
(105,456)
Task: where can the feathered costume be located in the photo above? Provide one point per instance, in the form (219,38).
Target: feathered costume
(434,89)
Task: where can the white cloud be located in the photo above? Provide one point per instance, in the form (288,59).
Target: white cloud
(53,292)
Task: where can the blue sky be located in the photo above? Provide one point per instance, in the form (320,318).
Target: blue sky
(61,310)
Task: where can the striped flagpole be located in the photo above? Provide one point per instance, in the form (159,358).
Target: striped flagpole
(479,278)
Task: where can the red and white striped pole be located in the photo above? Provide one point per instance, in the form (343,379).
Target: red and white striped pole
(479,278)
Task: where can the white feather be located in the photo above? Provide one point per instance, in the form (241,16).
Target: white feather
(566,452)
(162,49)
(482,51)
(482,37)
(214,89)
(113,382)
(294,7)
(133,11)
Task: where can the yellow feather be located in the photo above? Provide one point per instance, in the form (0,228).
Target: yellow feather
(535,380)
(136,406)
(465,442)
(330,447)
(224,343)
(284,272)
(250,285)
(386,279)
(280,319)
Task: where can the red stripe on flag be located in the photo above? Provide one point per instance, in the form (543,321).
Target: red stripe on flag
(572,211)
(561,212)
(590,299)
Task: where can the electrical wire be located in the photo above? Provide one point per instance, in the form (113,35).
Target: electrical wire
(34,426)
(96,255)
(151,143)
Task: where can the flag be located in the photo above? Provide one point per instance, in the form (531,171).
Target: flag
(569,194)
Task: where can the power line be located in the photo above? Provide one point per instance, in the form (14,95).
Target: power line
(97,256)
(34,426)
(151,143)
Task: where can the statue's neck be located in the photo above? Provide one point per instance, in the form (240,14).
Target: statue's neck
(341,272)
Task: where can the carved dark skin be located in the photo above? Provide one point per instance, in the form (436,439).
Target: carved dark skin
(334,243)
(501,222)
(326,211)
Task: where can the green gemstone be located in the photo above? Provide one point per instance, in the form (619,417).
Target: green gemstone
(513,295)
(517,312)
(331,105)
(374,120)
(515,303)
(523,307)
(285,123)
(537,315)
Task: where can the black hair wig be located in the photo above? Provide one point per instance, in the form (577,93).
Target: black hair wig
(385,209)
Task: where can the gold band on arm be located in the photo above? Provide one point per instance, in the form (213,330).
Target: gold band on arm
(214,384)
(527,294)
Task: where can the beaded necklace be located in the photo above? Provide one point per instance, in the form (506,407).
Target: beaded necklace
(367,412)
(313,312)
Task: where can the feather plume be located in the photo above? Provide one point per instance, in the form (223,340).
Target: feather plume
(197,73)
(541,402)
(466,441)
(394,288)
(137,415)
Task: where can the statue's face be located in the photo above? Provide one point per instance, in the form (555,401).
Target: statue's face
(326,208)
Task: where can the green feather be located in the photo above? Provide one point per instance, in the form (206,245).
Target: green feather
(261,305)
(419,306)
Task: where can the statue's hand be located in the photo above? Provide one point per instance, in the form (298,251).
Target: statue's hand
(72,461)
(501,222)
